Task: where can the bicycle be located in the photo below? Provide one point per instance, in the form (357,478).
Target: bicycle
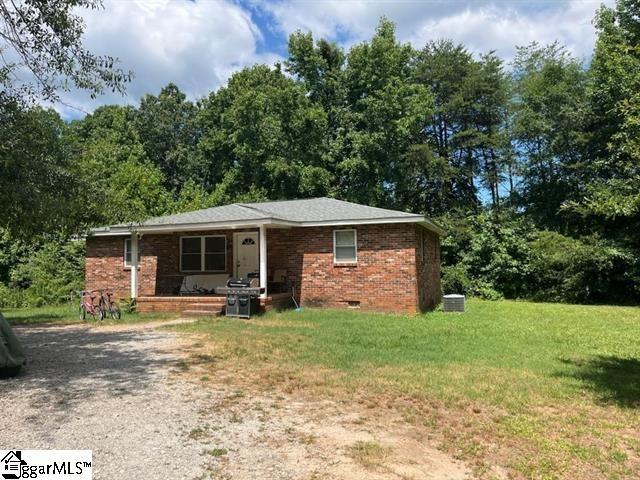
(109,305)
(88,307)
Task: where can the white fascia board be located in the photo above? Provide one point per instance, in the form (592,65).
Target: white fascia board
(424,222)
(419,219)
(109,233)
(366,221)
(193,227)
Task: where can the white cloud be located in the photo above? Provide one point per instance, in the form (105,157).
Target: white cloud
(482,25)
(196,45)
(199,44)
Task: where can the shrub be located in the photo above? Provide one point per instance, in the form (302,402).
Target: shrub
(455,279)
(484,290)
(50,274)
(12,297)
(127,305)
(491,251)
(582,270)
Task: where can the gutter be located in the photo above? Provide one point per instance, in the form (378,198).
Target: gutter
(187,227)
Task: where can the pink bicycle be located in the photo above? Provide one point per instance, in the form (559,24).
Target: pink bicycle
(88,307)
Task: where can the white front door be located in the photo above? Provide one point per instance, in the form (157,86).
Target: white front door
(245,253)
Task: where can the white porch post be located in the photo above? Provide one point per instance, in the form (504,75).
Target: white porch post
(134,265)
(263,260)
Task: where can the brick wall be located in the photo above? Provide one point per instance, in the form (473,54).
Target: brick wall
(383,279)
(104,268)
(159,266)
(389,275)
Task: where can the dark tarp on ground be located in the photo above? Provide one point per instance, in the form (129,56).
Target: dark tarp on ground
(12,356)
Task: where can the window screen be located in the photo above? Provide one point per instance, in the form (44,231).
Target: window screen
(345,246)
(203,254)
(215,253)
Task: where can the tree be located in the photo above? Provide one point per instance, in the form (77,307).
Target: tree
(548,129)
(380,122)
(117,182)
(611,181)
(167,128)
(466,129)
(262,132)
(45,38)
(37,187)
(41,53)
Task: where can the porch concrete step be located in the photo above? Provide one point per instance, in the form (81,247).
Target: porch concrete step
(205,306)
(202,313)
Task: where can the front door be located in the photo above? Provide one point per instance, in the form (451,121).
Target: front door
(245,253)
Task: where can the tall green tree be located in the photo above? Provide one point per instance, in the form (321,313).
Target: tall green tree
(381,120)
(548,129)
(166,125)
(611,182)
(117,181)
(42,41)
(261,131)
(36,183)
(466,130)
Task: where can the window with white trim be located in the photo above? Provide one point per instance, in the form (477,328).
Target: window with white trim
(127,253)
(345,246)
(203,253)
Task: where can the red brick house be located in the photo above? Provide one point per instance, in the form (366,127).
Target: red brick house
(334,253)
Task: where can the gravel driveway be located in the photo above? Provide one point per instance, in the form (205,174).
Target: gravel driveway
(128,394)
(104,390)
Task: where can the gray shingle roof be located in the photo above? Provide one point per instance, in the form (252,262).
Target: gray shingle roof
(293,212)
(323,210)
(226,213)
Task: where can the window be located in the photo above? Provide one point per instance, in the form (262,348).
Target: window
(127,253)
(345,246)
(203,254)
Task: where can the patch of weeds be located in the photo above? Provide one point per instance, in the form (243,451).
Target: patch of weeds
(238,394)
(369,454)
(205,378)
(522,426)
(217,452)
(432,420)
(537,468)
(618,456)
(308,438)
(198,433)
(360,421)
(410,415)
(181,365)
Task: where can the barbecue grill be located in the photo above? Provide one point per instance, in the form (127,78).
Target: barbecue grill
(242,298)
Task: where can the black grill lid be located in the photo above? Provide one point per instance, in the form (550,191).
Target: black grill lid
(238,282)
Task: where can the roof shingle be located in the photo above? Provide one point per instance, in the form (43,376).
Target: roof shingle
(303,212)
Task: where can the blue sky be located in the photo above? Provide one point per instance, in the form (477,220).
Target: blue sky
(199,44)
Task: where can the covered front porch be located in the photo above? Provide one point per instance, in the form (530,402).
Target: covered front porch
(179,271)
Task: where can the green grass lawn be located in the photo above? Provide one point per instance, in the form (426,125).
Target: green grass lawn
(544,390)
(68,314)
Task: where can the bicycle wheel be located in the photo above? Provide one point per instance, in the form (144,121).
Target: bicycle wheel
(101,313)
(115,312)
